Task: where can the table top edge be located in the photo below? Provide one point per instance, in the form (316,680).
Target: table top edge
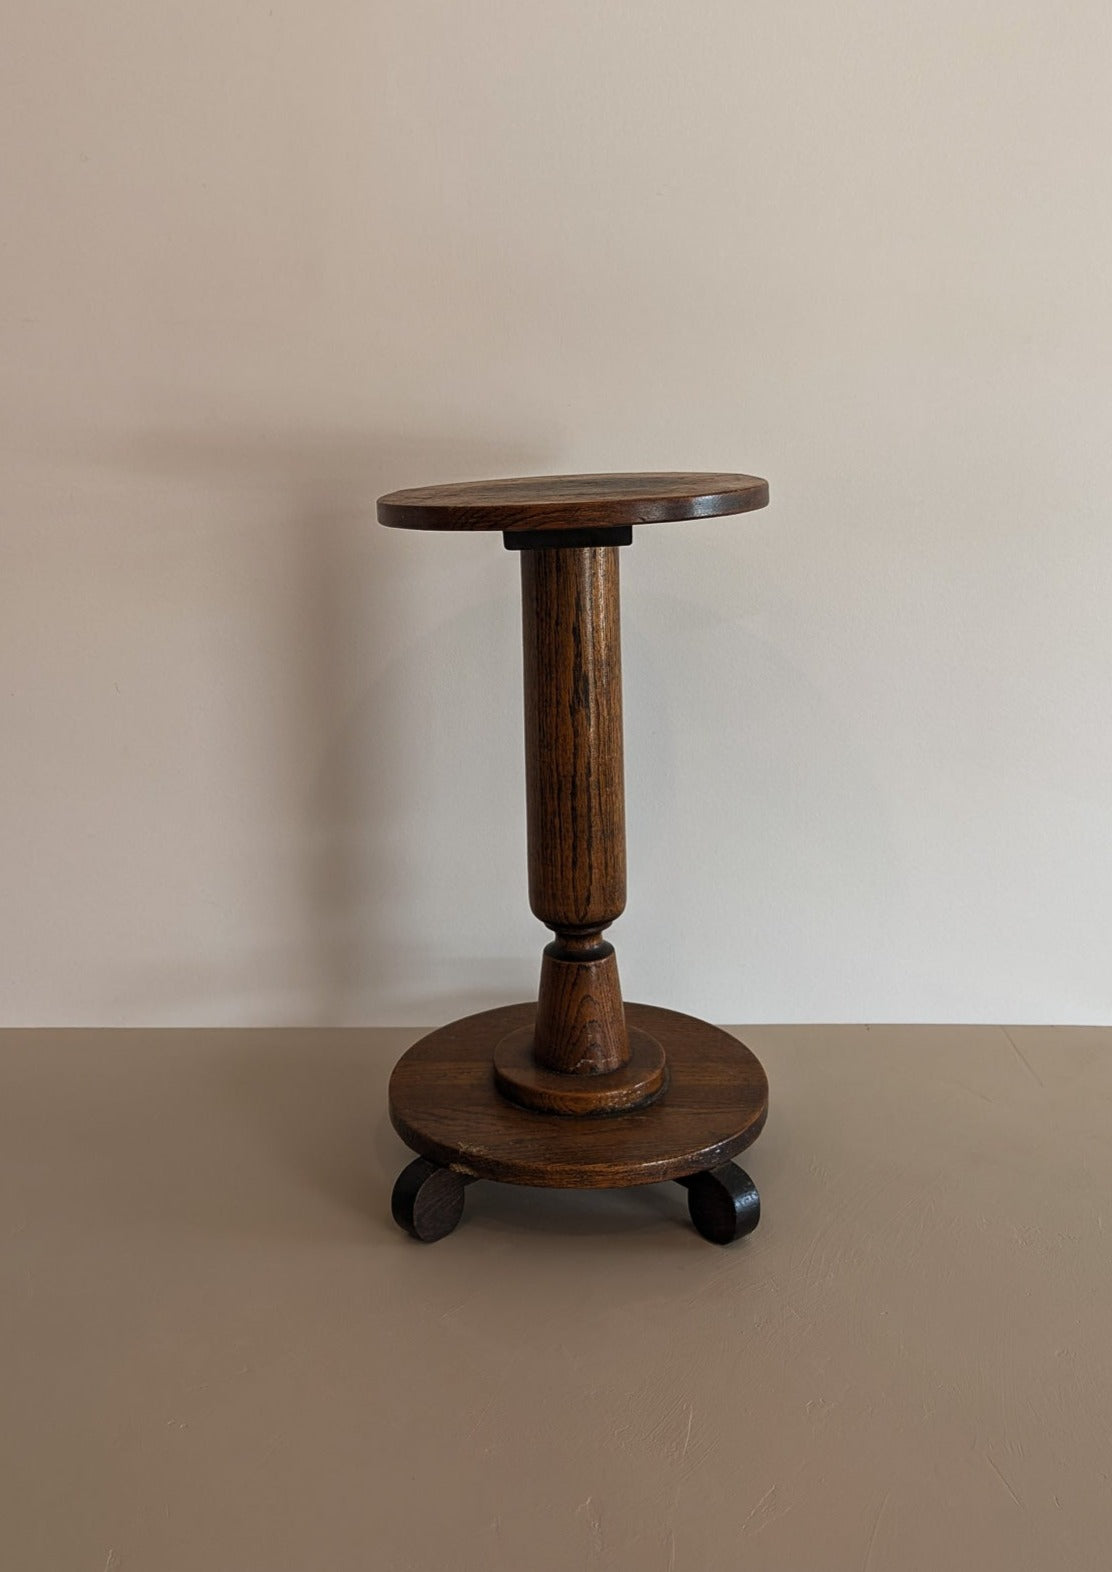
(634,499)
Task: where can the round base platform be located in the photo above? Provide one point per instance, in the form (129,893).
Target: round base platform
(444,1104)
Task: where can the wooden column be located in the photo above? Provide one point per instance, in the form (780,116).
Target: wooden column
(571,628)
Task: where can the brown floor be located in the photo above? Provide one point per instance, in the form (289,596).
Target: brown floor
(220,1353)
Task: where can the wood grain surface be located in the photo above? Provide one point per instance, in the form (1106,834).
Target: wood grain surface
(541,502)
(575,803)
(580,1028)
(574,778)
(444,1105)
(519,1076)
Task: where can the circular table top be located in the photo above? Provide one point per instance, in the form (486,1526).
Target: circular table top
(539,502)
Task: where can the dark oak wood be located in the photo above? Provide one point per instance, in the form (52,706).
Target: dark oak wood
(445,1105)
(543,502)
(575,800)
(428,1200)
(519,1077)
(577,1089)
(580,1028)
(723,1203)
(574,784)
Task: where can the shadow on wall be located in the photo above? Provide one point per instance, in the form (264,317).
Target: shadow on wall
(361,688)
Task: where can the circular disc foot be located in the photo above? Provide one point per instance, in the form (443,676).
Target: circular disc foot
(723,1202)
(445,1103)
(427,1200)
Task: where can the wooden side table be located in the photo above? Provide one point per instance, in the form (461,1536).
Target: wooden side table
(578,1089)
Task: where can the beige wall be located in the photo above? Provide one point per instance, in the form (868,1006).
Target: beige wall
(261,261)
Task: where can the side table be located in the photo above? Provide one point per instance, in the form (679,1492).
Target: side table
(576,1090)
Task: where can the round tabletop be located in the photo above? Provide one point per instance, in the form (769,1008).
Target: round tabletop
(540,502)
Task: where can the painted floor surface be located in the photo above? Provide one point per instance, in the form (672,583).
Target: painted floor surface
(219,1352)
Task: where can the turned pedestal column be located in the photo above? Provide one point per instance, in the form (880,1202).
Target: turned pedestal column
(576,1089)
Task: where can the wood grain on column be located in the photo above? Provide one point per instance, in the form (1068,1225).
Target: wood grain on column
(575,799)
(571,630)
